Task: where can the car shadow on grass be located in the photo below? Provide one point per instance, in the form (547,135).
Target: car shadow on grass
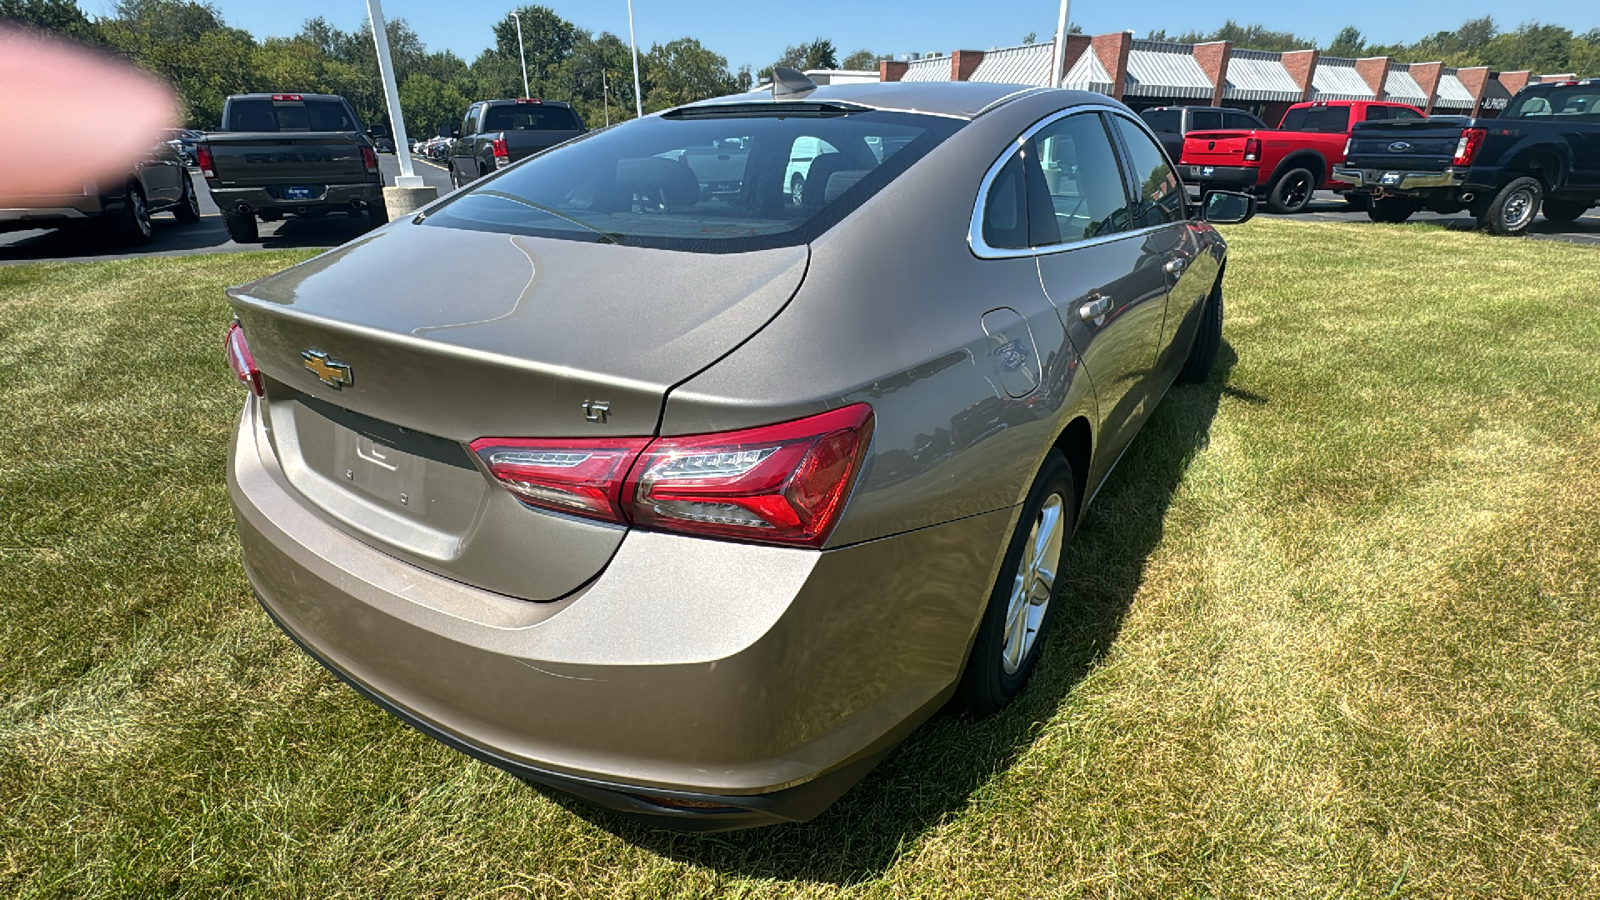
(944,766)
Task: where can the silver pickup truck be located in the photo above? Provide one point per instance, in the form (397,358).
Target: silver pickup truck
(280,155)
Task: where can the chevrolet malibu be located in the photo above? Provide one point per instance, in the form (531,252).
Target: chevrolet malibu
(693,499)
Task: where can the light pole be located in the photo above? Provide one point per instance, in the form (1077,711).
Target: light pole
(408,192)
(1060,55)
(522,53)
(638,101)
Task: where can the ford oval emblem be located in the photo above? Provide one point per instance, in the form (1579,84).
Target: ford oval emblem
(1399,147)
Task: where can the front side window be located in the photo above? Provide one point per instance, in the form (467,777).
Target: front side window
(701,181)
(1161,199)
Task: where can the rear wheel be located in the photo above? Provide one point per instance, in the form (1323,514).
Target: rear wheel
(1391,210)
(1292,191)
(1564,211)
(132,224)
(1513,207)
(242,228)
(1203,352)
(1017,619)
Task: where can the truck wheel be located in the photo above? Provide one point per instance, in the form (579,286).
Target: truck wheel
(1203,352)
(132,224)
(241,227)
(1513,207)
(377,213)
(188,209)
(1292,191)
(1391,210)
(1564,211)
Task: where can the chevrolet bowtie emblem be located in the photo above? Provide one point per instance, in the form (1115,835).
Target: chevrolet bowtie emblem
(329,371)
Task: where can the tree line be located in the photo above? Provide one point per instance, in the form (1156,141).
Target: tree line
(189,44)
(1544,49)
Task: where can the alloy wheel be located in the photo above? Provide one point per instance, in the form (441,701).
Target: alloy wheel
(1034,584)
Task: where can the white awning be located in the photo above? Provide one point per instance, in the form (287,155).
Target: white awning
(1336,79)
(1088,75)
(1028,64)
(1400,87)
(932,68)
(1157,69)
(1260,76)
(1452,93)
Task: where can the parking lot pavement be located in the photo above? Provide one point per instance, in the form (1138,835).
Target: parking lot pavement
(207,235)
(1328,207)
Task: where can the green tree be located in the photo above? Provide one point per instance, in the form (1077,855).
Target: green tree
(1349,42)
(862,59)
(57,16)
(547,39)
(431,106)
(683,71)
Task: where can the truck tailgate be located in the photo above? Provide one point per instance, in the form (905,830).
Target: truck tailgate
(1215,148)
(1426,144)
(258,159)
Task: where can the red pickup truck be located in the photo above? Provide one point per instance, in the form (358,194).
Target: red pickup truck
(1287,164)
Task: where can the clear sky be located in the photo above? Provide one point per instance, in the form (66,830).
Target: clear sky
(756,31)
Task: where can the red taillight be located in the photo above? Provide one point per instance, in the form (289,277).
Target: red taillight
(1467,147)
(783,484)
(1252,150)
(369,158)
(202,158)
(241,361)
(286,96)
(571,476)
(501,151)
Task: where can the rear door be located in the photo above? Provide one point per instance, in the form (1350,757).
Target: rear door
(1103,269)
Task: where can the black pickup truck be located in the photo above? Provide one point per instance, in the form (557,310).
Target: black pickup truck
(1542,153)
(282,155)
(496,133)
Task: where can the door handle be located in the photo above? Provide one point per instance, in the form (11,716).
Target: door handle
(1176,266)
(1095,307)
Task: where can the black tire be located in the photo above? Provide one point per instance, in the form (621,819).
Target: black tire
(188,209)
(1358,202)
(1292,192)
(991,678)
(797,189)
(1390,210)
(1207,341)
(377,213)
(1564,211)
(1514,207)
(131,225)
(242,228)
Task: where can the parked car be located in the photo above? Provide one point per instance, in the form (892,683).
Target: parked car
(693,504)
(383,144)
(496,133)
(183,140)
(1541,155)
(303,155)
(1285,165)
(120,207)
(1171,123)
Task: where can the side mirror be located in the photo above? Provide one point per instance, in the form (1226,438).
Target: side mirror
(455,132)
(1227,207)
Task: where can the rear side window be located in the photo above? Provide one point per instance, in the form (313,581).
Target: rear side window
(1241,120)
(529,117)
(1320,119)
(1163,121)
(1206,120)
(706,183)
(1161,197)
(265,114)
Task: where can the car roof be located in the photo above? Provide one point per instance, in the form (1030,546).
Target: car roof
(958,99)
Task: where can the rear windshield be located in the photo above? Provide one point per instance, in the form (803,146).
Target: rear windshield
(1320,119)
(1163,120)
(529,117)
(264,114)
(1577,103)
(722,184)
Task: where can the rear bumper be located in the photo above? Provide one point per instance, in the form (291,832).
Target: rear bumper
(334,196)
(1224,177)
(1398,180)
(756,683)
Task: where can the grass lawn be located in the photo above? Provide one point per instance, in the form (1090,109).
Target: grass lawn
(1332,629)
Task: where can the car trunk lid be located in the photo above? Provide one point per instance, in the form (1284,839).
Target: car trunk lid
(386,357)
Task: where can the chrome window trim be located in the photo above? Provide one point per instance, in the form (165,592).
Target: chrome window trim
(981,249)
